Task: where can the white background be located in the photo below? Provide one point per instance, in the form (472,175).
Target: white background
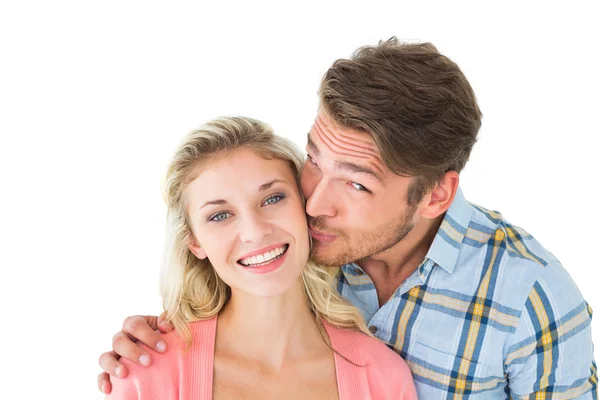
(94,97)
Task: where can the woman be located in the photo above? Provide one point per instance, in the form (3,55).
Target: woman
(253,317)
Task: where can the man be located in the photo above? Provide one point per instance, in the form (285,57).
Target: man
(476,306)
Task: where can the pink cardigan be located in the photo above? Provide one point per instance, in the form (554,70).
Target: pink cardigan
(189,375)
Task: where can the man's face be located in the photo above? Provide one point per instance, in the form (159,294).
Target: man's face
(356,206)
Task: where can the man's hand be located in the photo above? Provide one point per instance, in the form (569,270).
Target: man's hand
(145,329)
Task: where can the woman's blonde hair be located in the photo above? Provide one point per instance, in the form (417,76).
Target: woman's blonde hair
(190,287)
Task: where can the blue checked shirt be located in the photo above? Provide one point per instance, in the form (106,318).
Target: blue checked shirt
(489,314)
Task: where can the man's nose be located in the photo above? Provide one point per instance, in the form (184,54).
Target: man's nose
(321,201)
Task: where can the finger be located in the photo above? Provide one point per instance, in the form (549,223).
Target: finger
(163,325)
(108,362)
(104,383)
(123,346)
(138,328)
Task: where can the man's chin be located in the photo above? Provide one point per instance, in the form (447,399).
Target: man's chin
(327,254)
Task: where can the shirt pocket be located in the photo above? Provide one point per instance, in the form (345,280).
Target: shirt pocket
(438,367)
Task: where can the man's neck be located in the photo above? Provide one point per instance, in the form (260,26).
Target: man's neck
(389,269)
(271,332)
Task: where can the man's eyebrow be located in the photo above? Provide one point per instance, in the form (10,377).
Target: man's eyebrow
(311,145)
(261,188)
(351,167)
(344,165)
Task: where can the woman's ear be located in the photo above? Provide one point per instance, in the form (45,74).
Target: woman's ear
(196,249)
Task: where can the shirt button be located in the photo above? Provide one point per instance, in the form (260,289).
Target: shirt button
(373,329)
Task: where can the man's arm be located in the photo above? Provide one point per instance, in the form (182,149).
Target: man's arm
(126,343)
(550,355)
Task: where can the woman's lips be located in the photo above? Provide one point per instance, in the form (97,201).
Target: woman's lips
(266,267)
(263,250)
(321,237)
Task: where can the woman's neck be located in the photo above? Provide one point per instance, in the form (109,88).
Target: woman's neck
(271,331)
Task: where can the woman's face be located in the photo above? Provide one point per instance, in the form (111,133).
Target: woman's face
(248,219)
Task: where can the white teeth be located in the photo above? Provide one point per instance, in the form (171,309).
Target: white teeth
(269,255)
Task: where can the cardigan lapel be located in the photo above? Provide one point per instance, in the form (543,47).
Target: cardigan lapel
(349,365)
(200,361)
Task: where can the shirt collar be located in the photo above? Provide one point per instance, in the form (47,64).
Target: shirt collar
(446,246)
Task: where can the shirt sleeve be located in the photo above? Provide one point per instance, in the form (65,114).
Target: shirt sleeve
(550,355)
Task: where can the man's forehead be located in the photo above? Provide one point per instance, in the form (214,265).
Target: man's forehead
(327,131)
(344,144)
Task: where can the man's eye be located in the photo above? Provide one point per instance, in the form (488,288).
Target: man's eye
(274,199)
(359,187)
(309,158)
(218,217)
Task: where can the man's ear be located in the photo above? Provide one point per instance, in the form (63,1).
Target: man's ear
(196,249)
(440,198)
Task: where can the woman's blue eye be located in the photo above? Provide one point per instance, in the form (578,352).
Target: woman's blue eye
(274,199)
(219,217)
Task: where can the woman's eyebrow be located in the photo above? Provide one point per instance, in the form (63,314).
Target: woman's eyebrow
(261,188)
(218,202)
(267,186)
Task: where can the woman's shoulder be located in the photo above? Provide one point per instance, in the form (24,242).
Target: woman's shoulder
(387,372)
(156,381)
(164,373)
(371,351)
(202,332)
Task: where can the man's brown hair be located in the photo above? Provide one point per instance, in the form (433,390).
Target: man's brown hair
(416,103)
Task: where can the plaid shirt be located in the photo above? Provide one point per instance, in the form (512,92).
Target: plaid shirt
(489,314)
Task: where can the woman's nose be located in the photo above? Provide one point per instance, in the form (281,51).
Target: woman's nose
(254,228)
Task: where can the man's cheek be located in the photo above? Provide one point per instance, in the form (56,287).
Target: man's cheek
(307,186)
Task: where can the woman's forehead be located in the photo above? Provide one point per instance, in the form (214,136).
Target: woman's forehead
(240,171)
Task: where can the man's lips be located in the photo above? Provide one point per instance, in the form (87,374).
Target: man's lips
(321,237)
